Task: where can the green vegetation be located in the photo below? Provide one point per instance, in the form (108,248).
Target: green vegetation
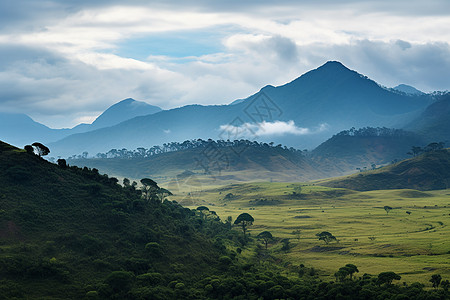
(412,245)
(426,172)
(71,233)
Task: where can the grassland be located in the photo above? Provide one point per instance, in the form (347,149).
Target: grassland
(414,245)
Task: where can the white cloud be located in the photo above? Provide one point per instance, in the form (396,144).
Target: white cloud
(276,128)
(61,61)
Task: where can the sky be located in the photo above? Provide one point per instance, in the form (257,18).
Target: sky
(65,62)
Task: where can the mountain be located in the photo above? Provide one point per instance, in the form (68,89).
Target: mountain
(434,123)
(362,148)
(210,161)
(20,129)
(429,171)
(122,111)
(407,89)
(301,114)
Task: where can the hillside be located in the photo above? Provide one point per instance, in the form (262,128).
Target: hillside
(361,148)
(241,161)
(65,231)
(321,102)
(429,171)
(434,123)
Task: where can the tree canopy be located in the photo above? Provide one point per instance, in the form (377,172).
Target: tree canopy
(326,237)
(41,149)
(244,220)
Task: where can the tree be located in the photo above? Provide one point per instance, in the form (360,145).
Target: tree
(126,182)
(387,209)
(149,188)
(341,274)
(244,220)
(62,163)
(29,149)
(203,211)
(351,269)
(266,237)
(326,237)
(436,280)
(388,277)
(40,149)
(415,151)
(162,193)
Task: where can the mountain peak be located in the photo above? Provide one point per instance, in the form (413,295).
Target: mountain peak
(407,89)
(333,64)
(124,110)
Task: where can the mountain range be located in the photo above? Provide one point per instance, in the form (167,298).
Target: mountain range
(20,129)
(301,114)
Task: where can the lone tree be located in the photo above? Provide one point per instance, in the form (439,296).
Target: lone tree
(388,277)
(387,209)
(266,237)
(40,149)
(326,237)
(244,220)
(436,280)
(347,270)
(149,188)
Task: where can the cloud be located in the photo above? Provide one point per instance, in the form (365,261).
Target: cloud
(61,62)
(276,128)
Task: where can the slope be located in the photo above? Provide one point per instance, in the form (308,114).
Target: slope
(20,129)
(122,111)
(429,171)
(362,148)
(66,231)
(434,123)
(244,161)
(321,102)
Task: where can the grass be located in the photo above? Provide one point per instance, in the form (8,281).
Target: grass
(414,246)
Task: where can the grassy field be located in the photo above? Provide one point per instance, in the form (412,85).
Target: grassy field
(414,245)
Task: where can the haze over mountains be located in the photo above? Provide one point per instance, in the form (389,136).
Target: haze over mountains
(302,114)
(20,129)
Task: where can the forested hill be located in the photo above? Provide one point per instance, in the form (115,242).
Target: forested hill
(67,231)
(364,147)
(428,171)
(241,160)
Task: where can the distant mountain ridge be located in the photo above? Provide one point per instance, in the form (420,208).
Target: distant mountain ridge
(20,129)
(318,104)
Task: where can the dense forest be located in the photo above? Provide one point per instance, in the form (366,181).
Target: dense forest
(71,233)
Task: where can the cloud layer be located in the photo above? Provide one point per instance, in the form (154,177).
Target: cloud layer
(66,62)
(270,129)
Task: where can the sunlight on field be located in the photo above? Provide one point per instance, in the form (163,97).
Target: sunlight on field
(414,244)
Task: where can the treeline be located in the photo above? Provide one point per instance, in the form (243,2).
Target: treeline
(375,131)
(142,152)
